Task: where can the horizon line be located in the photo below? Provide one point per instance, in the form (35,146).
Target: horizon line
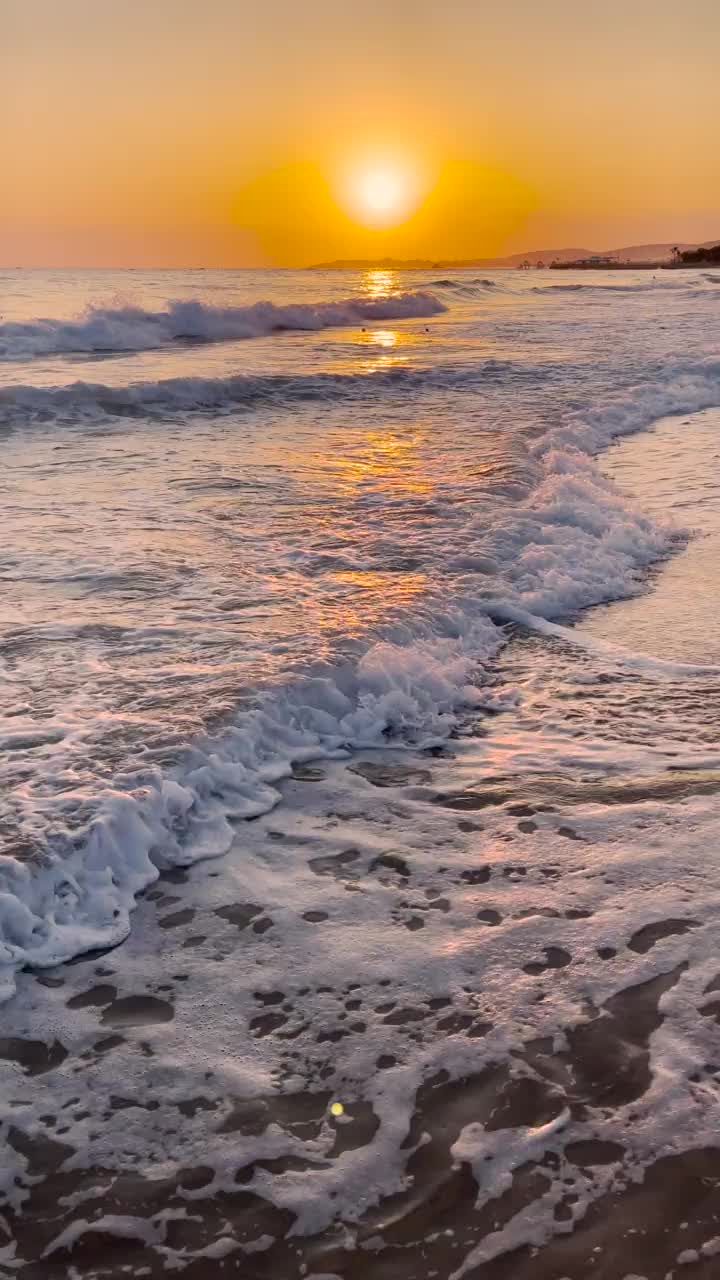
(410,263)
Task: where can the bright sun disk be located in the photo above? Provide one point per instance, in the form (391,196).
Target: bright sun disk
(381,192)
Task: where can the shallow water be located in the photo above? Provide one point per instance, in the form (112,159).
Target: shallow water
(674,474)
(477,903)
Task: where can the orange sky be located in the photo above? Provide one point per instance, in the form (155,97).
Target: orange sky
(232,133)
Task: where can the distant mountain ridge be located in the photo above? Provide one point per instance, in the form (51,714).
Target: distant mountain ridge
(629,253)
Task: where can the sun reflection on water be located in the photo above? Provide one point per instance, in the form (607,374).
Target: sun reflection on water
(365,598)
(387,348)
(386,461)
(374,574)
(384,337)
(378,282)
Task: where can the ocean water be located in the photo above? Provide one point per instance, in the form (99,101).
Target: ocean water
(360,664)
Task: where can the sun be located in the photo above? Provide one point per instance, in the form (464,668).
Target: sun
(381,191)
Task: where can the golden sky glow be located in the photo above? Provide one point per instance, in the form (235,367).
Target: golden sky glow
(226,132)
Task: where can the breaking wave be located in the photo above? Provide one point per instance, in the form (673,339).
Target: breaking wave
(122,329)
(573,541)
(199,394)
(468,285)
(639,287)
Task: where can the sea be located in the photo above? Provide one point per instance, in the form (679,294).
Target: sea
(360,775)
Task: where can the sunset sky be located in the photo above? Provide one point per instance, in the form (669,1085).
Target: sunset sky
(238,133)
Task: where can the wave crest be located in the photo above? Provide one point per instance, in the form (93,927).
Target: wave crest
(473,284)
(121,329)
(200,394)
(644,286)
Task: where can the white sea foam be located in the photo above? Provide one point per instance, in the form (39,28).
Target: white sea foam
(115,329)
(680,387)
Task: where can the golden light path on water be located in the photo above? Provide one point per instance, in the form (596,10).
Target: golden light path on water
(378,283)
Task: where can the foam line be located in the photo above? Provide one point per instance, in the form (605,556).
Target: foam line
(507,613)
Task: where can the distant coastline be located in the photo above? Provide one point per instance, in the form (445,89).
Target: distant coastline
(628,258)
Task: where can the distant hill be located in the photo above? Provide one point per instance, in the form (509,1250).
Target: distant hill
(628,253)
